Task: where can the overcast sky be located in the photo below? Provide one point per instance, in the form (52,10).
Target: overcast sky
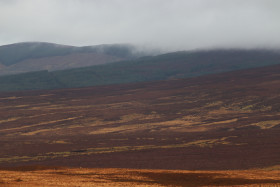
(168,24)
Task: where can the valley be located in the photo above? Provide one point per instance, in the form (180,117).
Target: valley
(148,93)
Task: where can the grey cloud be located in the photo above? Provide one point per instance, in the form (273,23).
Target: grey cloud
(171,25)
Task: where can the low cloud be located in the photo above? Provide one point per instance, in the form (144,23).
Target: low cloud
(170,25)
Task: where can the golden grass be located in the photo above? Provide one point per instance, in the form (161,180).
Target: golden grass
(31,133)
(120,104)
(9,120)
(39,124)
(272,168)
(221,122)
(132,117)
(183,124)
(59,107)
(214,103)
(222,111)
(59,142)
(247,108)
(33,176)
(100,150)
(10,98)
(267,124)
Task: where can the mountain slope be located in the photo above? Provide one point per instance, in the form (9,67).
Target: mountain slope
(36,56)
(168,66)
(223,121)
(15,53)
(161,67)
(74,60)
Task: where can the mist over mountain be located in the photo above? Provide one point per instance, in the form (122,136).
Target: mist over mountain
(36,56)
(123,85)
(171,25)
(176,65)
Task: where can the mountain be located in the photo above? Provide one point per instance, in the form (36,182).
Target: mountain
(36,56)
(224,121)
(168,66)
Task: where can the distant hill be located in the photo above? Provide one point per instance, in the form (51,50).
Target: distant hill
(36,56)
(162,67)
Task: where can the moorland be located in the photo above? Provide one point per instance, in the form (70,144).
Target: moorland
(222,121)
(180,123)
(58,176)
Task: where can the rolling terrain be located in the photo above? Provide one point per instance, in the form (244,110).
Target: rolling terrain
(214,122)
(184,64)
(37,56)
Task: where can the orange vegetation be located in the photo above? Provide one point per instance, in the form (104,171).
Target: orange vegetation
(57,176)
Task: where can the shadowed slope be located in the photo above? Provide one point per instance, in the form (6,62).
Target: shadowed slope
(162,67)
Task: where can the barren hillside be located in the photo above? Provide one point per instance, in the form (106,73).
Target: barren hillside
(223,121)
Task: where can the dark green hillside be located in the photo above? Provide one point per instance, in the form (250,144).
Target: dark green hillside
(167,66)
(29,81)
(162,67)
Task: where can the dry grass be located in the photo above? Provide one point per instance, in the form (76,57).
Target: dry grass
(48,176)
(164,124)
(101,150)
(267,124)
(11,98)
(59,142)
(184,124)
(9,120)
(39,124)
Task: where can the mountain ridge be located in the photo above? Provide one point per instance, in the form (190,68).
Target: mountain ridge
(183,64)
(28,56)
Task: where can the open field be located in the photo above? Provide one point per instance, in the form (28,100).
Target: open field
(216,122)
(44,176)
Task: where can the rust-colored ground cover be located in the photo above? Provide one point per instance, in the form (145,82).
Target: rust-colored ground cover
(225,121)
(46,176)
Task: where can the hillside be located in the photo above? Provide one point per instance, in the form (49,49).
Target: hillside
(36,56)
(214,122)
(151,68)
